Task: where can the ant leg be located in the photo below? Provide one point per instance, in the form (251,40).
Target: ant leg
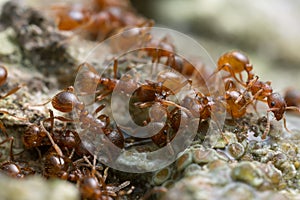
(284,119)
(39,153)
(94,168)
(144,105)
(255,108)
(241,77)
(11,155)
(170,61)
(7,113)
(103,95)
(38,105)
(267,129)
(11,139)
(3,129)
(115,68)
(94,164)
(250,84)
(105,118)
(55,146)
(12,91)
(170,103)
(105,174)
(249,68)
(52,117)
(231,73)
(101,107)
(284,124)
(6,140)
(121,186)
(51,121)
(293,108)
(234,76)
(253,98)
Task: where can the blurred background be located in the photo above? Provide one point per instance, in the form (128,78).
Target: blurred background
(267,31)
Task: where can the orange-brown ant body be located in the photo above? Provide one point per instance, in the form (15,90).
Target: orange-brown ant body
(236,62)
(66,101)
(92,184)
(292,97)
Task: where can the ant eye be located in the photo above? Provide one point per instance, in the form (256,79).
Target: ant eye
(272,104)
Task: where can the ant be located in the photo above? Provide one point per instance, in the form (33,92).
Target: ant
(278,106)
(201,107)
(146,95)
(3,79)
(10,167)
(98,24)
(66,101)
(70,17)
(158,48)
(13,168)
(175,119)
(92,185)
(260,91)
(237,101)
(292,97)
(89,79)
(56,164)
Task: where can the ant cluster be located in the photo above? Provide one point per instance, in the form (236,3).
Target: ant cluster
(60,151)
(240,94)
(60,148)
(98,19)
(64,155)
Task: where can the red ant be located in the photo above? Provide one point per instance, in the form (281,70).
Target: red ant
(66,101)
(259,89)
(236,99)
(235,62)
(3,78)
(292,97)
(278,106)
(10,167)
(70,17)
(99,24)
(35,136)
(13,168)
(93,186)
(56,164)
(89,80)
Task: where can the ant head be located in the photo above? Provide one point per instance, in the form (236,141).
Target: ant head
(277,105)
